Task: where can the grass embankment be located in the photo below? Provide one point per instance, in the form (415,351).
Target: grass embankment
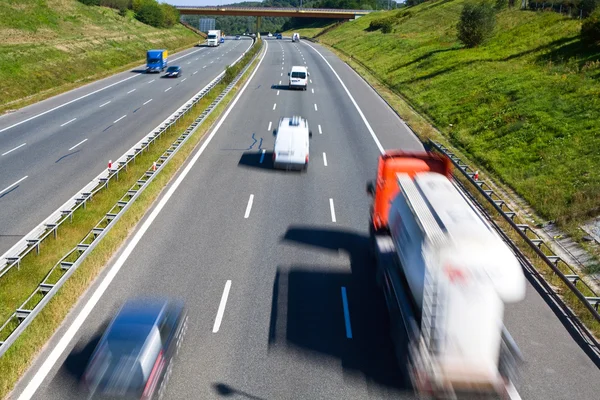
(20,355)
(51,46)
(524,105)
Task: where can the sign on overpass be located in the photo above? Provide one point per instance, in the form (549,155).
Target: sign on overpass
(273,12)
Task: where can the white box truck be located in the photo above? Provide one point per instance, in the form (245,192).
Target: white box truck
(213,38)
(446,276)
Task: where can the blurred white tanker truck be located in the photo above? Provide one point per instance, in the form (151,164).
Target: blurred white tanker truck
(446,276)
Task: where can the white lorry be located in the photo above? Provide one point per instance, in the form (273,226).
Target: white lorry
(296,37)
(446,276)
(213,38)
(292,149)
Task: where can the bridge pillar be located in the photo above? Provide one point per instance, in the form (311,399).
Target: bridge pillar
(258,24)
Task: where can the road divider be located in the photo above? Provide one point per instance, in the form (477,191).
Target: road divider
(13,149)
(249,206)
(222,305)
(332,208)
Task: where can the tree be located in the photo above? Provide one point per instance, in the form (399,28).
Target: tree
(477,22)
(590,29)
(149,12)
(170,15)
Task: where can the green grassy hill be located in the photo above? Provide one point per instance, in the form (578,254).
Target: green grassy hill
(526,104)
(49,46)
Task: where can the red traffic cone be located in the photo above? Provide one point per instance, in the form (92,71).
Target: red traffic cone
(154,166)
(476,175)
(109,164)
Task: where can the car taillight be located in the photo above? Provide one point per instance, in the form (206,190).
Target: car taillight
(153,378)
(306,159)
(274,155)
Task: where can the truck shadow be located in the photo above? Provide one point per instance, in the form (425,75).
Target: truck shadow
(307,311)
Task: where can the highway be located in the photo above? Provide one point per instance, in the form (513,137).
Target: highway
(300,317)
(50,150)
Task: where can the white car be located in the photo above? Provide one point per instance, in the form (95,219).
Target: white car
(270,34)
(292,149)
(298,77)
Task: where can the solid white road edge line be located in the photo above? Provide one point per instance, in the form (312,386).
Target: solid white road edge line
(262,156)
(222,305)
(11,150)
(332,210)
(68,122)
(14,184)
(324,158)
(83,141)
(379,146)
(249,206)
(68,336)
(346,313)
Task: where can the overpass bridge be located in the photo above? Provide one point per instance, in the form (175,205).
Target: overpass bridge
(273,12)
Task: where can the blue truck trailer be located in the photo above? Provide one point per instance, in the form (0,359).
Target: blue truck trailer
(156,60)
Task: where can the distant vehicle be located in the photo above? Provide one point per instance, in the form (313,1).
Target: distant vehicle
(296,37)
(253,35)
(446,276)
(278,36)
(174,71)
(133,356)
(291,149)
(270,34)
(237,37)
(156,60)
(213,38)
(298,77)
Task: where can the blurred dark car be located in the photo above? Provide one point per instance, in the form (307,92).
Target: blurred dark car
(278,35)
(133,359)
(173,71)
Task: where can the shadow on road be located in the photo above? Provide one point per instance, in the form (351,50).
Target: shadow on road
(226,390)
(307,312)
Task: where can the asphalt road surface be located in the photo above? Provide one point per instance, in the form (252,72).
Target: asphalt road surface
(50,150)
(302,318)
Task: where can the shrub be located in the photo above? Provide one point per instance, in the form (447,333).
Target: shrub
(90,2)
(590,29)
(385,24)
(477,21)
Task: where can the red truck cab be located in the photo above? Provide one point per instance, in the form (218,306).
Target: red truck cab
(385,188)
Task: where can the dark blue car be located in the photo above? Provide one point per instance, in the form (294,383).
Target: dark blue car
(173,71)
(134,356)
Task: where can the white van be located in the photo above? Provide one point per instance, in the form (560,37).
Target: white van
(298,77)
(295,37)
(291,149)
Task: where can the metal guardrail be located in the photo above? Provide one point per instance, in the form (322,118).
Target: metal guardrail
(534,241)
(67,265)
(32,240)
